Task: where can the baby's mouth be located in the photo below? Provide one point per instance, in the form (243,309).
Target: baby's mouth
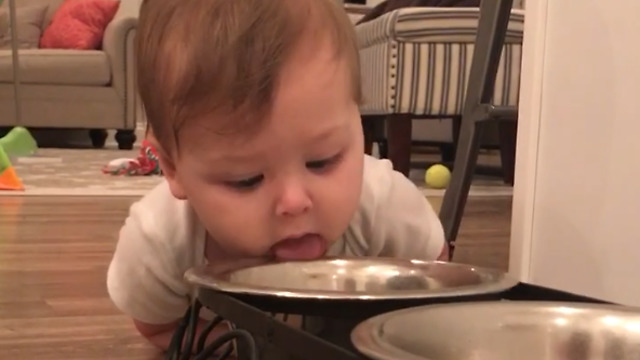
(305,247)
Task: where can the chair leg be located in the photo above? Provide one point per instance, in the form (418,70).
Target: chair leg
(508,132)
(457,192)
(372,126)
(492,29)
(399,141)
(449,150)
(383,148)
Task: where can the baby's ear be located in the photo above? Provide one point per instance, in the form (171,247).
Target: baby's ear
(167,164)
(148,135)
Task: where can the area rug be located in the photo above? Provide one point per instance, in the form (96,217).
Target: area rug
(78,172)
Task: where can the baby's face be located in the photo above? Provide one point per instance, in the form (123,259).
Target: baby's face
(291,189)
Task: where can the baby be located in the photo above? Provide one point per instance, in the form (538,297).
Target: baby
(253,107)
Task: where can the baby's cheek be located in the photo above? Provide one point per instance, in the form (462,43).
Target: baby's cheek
(341,201)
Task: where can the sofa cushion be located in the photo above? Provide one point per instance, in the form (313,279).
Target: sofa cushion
(52,6)
(58,67)
(79,24)
(29,25)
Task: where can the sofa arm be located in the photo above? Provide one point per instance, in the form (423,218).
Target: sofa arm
(118,43)
(433,25)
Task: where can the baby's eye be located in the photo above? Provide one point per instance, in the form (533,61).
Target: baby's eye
(323,164)
(246,184)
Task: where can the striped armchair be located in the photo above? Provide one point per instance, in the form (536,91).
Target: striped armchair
(416,64)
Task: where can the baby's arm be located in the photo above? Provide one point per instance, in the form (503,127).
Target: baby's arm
(160,335)
(400,221)
(145,277)
(142,278)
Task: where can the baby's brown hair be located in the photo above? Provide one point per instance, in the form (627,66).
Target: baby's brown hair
(201,57)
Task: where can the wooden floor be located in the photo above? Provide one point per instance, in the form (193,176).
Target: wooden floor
(54,253)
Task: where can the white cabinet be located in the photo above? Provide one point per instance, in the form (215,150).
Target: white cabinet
(576,213)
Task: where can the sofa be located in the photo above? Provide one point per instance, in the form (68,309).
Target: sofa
(72,89)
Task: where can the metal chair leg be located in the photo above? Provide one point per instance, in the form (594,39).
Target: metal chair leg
(492,28)
(455,197)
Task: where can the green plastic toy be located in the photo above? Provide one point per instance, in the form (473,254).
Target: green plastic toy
(19,142)
(5,163)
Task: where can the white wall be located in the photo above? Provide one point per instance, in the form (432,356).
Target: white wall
(576,217)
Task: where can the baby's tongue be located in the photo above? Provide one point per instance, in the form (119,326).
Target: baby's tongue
(308,247)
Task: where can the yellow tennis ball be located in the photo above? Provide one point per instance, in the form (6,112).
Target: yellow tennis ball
(437,176)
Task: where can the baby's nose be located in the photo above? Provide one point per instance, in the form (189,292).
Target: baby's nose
(294,200)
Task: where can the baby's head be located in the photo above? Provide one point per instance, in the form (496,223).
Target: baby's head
(253,105)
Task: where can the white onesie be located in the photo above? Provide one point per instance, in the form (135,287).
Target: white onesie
(162,238)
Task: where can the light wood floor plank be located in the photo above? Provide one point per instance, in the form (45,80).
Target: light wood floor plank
(54,253)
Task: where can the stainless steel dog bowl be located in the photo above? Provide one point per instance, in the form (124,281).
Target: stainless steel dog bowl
(354,279)
(502,330)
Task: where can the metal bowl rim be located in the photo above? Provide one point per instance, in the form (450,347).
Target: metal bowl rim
(200,277)
(363,339)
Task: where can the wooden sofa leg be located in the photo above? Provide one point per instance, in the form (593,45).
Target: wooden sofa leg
(125,139)
(399,141)
(98,137)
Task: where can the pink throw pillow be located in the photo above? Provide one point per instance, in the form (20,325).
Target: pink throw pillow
(79,24)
